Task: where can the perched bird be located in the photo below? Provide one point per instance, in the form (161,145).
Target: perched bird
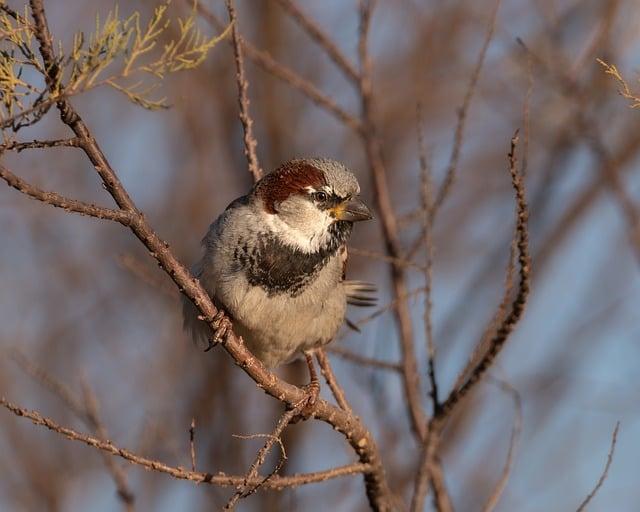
(275,261)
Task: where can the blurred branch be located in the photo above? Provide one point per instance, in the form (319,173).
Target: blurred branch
(450,174)
(411,377)
(87,412)
(605,472)
(263,59)
(322,39)
(427,228)
(353,357)
(494,498)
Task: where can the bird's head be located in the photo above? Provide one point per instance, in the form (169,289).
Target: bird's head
(311,203)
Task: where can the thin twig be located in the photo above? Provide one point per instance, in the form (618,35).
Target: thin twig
(458,138)
(605,472)
(494,498)
(246,490)
(87,412)
(192,443)
(250,142)
(427,206)
(352,357)
(323,40)
(330,377)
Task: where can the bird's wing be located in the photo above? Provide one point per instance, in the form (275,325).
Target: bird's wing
(360,293)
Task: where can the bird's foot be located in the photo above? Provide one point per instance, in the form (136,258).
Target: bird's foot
(312,391)
(221,327)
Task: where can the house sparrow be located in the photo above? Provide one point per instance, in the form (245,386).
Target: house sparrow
(275,260)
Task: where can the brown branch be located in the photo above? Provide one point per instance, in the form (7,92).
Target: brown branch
(430,474)
(263,59)
(71,205)
(322,39)
(73,142)
(250,142)
(401,262)
(494,498)
(117,473)
(330,377)
(605,472)
(351,427)
(87,412)
(245,489)
(220,478)
(458,138)
(518,304)
(192,443)
(427,207)
(411,377)
(352,357)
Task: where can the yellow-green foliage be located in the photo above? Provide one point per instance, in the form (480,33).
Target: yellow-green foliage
(123,53)
(623,86)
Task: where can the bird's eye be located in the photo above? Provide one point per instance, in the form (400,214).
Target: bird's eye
(321,196)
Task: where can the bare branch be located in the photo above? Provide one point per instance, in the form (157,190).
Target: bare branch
(494,498)
(250,142)
(192,444)
(427,206)
(263,59)
(330,377)
(450,175)
(605,472)
(246,490)
(71,205)
(518,304)
(323,40)
(352,357)
(73,142)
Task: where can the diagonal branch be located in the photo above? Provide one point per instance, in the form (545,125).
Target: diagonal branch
(71,205)
(605,471)
(323,40)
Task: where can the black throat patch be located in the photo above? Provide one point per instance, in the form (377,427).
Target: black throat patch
(281,269)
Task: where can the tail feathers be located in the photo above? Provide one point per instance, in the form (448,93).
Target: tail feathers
(200,331)
(361,293)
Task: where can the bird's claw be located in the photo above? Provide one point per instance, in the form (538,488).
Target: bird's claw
(221,327)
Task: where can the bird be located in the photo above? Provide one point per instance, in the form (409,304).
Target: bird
(274,263)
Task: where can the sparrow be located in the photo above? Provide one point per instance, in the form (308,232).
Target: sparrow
(274,261)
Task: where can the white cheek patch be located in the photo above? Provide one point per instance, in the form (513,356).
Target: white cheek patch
(306,229)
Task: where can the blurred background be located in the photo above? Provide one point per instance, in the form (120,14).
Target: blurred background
(82,301)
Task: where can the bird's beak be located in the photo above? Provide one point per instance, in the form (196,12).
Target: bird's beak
(352,210)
